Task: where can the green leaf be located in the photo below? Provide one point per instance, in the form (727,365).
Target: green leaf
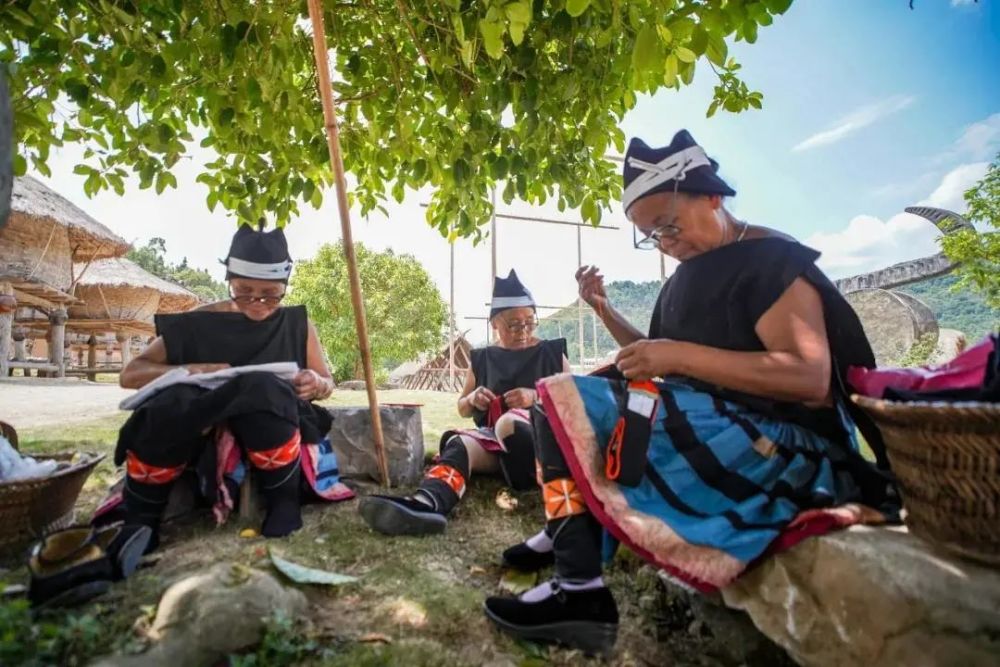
(492,38)
(458,26)
(664,33)
(576,7)
(301,574)
(519,12)
(20,165)
(717,50)
(777,6)
(646,50)
(712,108)
(670,70)
(755,103)
(685,55)
(517,32)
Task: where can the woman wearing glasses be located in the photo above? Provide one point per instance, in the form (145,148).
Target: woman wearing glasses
(496,396)
(748,427)
(272,421)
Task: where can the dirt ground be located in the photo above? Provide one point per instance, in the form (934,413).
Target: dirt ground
(35,402)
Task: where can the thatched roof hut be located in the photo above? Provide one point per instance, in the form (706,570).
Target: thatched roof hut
(435,374)
(44,236)
(119,289)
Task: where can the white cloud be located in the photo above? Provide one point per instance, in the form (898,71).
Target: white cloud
(979,141)
(869,243)
(856,120)
(962,3)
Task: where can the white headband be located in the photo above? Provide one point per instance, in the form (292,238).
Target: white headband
(277,271)
(511,302)
(673,167)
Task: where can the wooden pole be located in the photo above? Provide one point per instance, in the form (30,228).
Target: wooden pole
(92,357)
(57,329)
(593,319)
(663,269)
(6,326)
(493,241)
(451,318)
(337,164)
(579,300)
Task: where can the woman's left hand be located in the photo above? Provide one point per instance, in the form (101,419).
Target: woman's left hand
(519,398)
(308,384)
(647,359)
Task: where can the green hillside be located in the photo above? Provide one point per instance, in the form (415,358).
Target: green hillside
(963,310)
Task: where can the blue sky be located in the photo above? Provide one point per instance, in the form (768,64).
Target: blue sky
(868,107)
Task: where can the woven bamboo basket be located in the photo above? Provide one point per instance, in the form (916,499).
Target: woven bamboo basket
(946,457)
(32,507)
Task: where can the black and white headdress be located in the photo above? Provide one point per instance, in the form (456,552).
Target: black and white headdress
(682,166)
(258,254)
(509,293)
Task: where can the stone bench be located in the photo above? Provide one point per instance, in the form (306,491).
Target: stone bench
(874,597)
(402,430)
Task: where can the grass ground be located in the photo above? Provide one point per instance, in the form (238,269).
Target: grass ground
(418,601)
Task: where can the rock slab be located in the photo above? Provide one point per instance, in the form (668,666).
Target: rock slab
(402,430)
(204,617)
(875,597)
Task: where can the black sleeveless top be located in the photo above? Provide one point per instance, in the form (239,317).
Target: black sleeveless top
(716,299)
(214,338)
(500,370)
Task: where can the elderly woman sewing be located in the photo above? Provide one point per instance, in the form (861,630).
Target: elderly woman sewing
(698,473)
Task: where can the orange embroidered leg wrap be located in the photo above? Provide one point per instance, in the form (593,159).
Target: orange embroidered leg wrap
(450,476)
(562,499)
(278,457)
(148,473)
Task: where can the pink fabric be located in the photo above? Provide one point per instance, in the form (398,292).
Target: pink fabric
(965,371)
(485,436)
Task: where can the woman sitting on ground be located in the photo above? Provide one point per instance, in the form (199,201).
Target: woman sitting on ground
(271,419)
(701,472)
(497,394)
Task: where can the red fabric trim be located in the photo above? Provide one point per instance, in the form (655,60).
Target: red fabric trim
(148,473)
(279,457)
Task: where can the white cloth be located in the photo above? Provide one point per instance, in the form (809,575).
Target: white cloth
(14,466)
(283,369)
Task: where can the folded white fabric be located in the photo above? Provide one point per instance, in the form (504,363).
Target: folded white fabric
(15,467)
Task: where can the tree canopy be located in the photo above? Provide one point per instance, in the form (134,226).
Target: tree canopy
(151,257)
(979,251)
(405,312)
(462,96)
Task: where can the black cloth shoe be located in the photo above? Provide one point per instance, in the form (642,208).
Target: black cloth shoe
(523,558)
(585,620)
(392,515)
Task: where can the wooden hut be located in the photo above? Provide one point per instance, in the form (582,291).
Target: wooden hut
(118,296)
(435,375)
(44,237)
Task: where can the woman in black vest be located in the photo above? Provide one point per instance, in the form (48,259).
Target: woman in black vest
(749,428)
(271,419)
(496,396)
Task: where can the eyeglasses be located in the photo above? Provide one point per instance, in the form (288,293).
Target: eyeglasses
(517,327)
(651,241)
(250,299)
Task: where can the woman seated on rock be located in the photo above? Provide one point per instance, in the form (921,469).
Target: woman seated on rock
(497,395)
(700,472)
(273,421)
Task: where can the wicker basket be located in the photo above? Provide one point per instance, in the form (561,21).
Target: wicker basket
(946,457)
(32,507)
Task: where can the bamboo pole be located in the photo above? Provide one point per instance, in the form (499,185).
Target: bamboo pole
(579,300)
(337,164)
(451,317)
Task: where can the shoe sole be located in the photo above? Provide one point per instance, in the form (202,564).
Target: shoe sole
(589,636)
(389,518)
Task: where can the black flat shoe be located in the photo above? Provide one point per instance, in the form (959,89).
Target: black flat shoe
(585,620)
(523,558)
(392,515)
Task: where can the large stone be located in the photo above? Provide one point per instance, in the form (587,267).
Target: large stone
(874,597)
(402,432)
(209,615)
(893,322)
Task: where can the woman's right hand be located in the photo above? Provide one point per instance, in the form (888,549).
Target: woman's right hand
(480,398)
(591,286)
(198,369)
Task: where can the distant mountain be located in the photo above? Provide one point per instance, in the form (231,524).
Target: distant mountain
(963,310)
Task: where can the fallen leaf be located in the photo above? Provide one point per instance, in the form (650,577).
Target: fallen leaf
(301,574)
(505,501)
(475,569)
(375,638)
(249,533)
(517,582)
